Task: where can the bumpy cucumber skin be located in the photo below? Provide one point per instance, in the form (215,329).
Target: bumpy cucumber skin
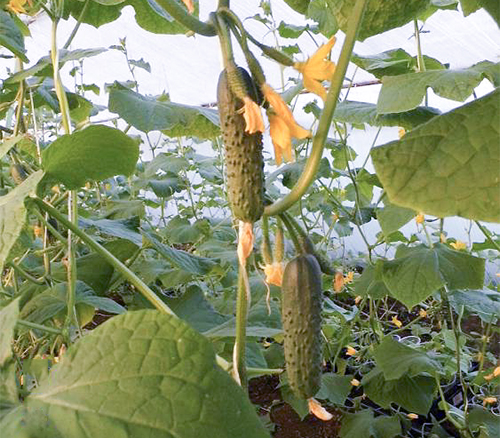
(301,315)
(243,155)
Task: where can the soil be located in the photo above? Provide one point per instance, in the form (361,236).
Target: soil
(264,392)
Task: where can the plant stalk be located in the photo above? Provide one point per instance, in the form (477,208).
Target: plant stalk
(183,17)
(311,168)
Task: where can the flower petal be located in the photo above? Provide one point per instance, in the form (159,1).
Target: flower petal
(245,242)
(189,5)
(277,103)
(274,273)
(281,137)
(252,116)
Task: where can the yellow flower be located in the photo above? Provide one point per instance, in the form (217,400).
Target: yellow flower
(274,273)
(419,219)
(338,282)
(189,5)
(458,245)
(349,277)
(252,116)
(351,351)
(282,125)
(422,313)
(396,322)
(355,382)
(282,134)
(412,416)
(358,299)
(489,377)
(442,238)
(496,372)
(17,6)
(489,401)
(401,132)
(317,410)
(317,69)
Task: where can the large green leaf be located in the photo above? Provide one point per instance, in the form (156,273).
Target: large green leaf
(148,14)
(9,396)
(379,16)
(393,62)
(358,113)
(260,323)
(13,214)
(44,65)
(371,283)
(181,259)
(397,360)
(415,394)
(335,388)
(364,424)
(95,153)
(299,5)
(52,304)
(405,92)
(392,217)
(411,279)
(174,119)
(141,374)
(481,419)
(11,36)
(484,302)
(8,319)
(194,308)
(122,228)
(448,166)
(493,8)
(421,271)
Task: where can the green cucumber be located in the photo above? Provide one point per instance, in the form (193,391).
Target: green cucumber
(243,152)
(302,296)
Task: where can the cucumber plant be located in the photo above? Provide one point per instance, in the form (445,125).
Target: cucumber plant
(396,341)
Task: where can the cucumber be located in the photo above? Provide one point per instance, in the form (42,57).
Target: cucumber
(243,152)
(302,296)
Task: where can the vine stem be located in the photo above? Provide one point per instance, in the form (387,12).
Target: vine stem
(242,303)
(32,325)
(183,17)
(487,234)
(71,317)
(110,258)
(311,168)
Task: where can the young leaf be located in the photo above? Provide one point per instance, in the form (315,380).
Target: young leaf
(13,214)
(391,218)
(379,16)
(449,166)
(174,119)
(364,424)
(411,279)
(405,92)
(397,360)
(415,394)
(95,153)
(140,374)
(43,67)
(181,259)
(421,271)
(371,283)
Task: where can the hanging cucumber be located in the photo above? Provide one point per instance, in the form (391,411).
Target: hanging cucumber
(301,315)
(243,151)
